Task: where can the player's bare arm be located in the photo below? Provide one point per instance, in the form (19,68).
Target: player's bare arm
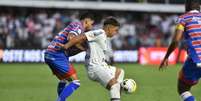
(74,40)
(175,41)
(78,45)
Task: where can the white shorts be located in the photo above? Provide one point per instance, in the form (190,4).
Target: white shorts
(102,74)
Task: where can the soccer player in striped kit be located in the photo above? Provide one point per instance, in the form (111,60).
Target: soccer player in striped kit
(110,77)
(188,27)
(58,60)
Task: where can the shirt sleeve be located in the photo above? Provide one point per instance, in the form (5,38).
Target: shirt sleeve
(180,23)
(93,35)
(74,29)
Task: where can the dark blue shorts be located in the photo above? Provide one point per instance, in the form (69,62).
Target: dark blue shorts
(59,64)
(190,73)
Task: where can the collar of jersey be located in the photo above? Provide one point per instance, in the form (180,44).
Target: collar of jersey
(194,11)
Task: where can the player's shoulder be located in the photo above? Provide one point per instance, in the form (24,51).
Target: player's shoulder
(189,15)
(99,32)
(181,18)
(186,16)
(75,23)
(74,27)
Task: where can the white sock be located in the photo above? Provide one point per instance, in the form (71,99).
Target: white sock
(115,92)
(185,95)
(121,76)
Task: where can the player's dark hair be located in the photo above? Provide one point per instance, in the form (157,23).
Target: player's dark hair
(87,15)
(111,21)
(192,5)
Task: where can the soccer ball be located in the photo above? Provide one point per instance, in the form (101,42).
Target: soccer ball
(129,85)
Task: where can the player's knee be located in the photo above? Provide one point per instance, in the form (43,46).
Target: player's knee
(111,83)
(74,76)
(121,70)
(183,87)
(117,73)
(121,75)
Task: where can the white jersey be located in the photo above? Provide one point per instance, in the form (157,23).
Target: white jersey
(97,41)
(97,68)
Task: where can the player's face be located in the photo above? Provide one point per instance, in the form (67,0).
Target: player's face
(113,30)
(89,24)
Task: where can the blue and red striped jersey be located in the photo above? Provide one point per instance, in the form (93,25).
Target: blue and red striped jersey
(191,21)
(62,37)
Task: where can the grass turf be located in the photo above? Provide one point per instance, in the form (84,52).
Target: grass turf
(35,82)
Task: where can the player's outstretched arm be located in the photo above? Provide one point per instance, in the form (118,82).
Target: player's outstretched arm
(176,38)
(79,45)
(75,40)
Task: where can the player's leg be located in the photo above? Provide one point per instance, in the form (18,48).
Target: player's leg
(49,60)
(119,75)
(184,91)
(64,82)
(114,84)
(188,76)
(183,88)
(120,78)
(72,86)
(109,77)
(114,87)
(57,63)
(61,85)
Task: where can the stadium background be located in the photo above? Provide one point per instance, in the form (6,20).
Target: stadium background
(26,27)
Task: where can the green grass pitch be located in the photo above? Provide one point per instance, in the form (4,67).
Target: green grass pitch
(35,82)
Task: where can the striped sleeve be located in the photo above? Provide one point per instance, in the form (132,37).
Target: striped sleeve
(74,29)
(180,23)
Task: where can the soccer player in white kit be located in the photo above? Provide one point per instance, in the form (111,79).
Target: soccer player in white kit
(98,70)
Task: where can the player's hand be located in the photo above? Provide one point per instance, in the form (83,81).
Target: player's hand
(163,64)
(62,46)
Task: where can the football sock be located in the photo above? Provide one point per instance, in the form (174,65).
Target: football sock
(115,92)
(121,76)
(68,90)
(61,86)
(187,96)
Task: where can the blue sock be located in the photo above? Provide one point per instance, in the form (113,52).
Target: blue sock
(190,98)
(187,96)
(60,87)
(68,90)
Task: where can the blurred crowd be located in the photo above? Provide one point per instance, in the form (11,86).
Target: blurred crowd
(150,30)
(139,1)
(34,30)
